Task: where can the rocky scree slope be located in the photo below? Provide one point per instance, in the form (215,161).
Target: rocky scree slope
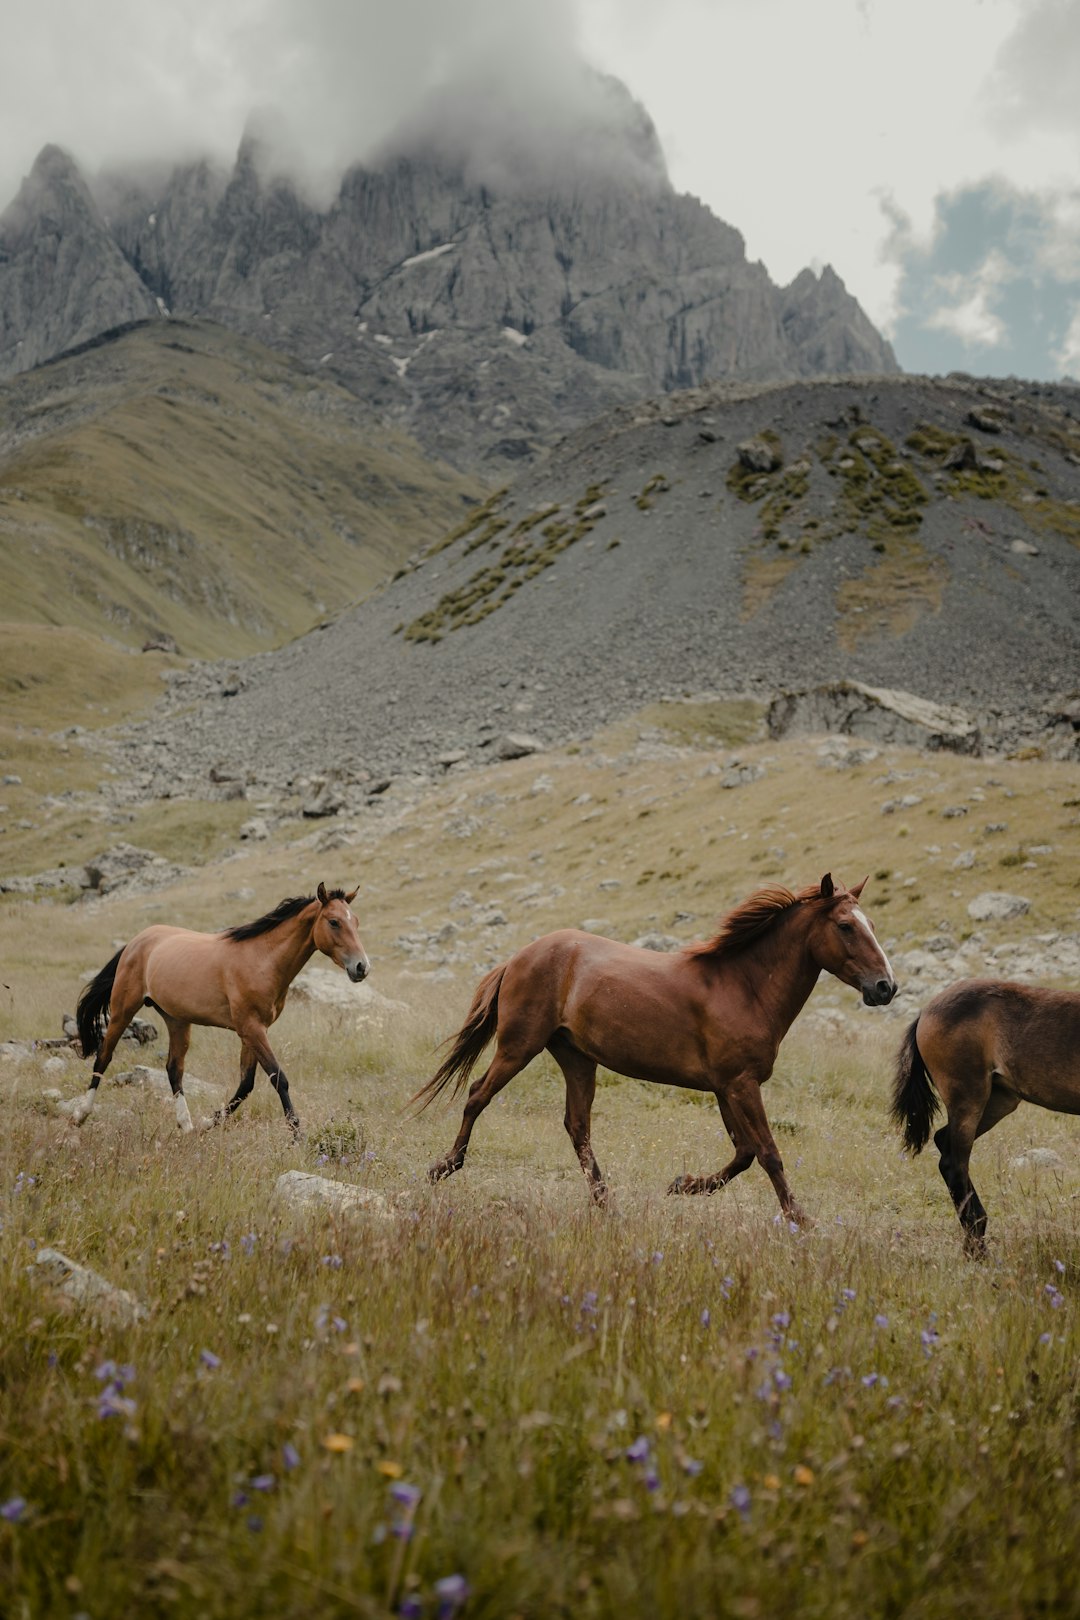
(484,318)
(908,533)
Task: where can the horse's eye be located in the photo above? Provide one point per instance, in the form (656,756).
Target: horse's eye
(846,928)
(333,922)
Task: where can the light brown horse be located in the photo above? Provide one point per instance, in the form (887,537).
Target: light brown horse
(986,1046)
(710,1017)
(237,980)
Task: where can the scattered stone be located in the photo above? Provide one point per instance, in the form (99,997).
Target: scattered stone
(1023,548)
(987,421)
(115,866)
(738,775)
(452,756)
(962,457)
(595,925)
(256,830)
(162,642)
(964,861)
(951,811)
(1038,1158)
(11,780)
(515,745)
(325,797)
(997,907)
(75,1287)
(758,455)
(300,1190)
(325,987)
(907,802)
(658,942)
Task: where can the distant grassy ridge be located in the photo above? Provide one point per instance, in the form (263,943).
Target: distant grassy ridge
(184,480)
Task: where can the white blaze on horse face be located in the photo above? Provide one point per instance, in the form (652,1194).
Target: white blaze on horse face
(864,922)
(183,1113)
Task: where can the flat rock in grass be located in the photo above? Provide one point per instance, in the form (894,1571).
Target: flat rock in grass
(994,906)
(327,987)
(1038,1158)
(515,745)
(300,1190)
(75,1287)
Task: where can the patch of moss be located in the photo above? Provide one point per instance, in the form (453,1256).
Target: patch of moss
(881,496)
(890,595)
(657,485)
(480,514)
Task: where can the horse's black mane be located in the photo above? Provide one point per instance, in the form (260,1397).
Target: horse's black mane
(281,913)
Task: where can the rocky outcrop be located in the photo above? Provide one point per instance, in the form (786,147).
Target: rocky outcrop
(866,711)
(63,278)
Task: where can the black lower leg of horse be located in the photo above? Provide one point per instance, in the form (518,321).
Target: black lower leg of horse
(102,1058)
(961,1190)
(281,1086)
(501,1072)
(745,1155)
(246,1086)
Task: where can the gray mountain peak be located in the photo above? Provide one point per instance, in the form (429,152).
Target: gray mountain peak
(498,273)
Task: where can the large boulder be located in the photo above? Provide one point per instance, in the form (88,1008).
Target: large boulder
(884,715)
(75,1287)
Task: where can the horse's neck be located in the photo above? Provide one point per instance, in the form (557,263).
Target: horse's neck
(292,945)
(781,970)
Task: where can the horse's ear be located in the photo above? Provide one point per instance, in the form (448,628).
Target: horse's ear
(857,888)
(349,898)
(827,889)
(321,893)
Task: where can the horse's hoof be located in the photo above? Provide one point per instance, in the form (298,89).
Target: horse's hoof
(441,1169)
(682,1185)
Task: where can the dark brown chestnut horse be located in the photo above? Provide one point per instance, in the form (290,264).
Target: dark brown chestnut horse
(987,1046)
(237,980)
(710,1017)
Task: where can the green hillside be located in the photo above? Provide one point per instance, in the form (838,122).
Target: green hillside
(180,479)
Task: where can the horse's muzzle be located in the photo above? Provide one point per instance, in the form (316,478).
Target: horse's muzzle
(879,992)
(358,970)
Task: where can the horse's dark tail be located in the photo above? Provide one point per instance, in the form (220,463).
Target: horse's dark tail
(469,1042)
(92,1013)
(915,1101)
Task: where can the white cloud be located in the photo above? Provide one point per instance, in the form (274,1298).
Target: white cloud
(1068,356)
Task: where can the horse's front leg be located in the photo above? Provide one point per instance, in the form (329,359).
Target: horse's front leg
(248,1064)
(744,1115)
(255,1038)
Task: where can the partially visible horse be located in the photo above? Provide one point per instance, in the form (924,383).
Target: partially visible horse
(710,1017)
(236,980)
(986,1046)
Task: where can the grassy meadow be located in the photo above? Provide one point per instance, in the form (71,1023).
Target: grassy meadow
(489,1397)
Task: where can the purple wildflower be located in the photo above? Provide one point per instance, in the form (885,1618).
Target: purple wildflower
(657,1257)
(588,1303)
(240,1499)
(209,1359)
(248,1242)
(651,1479)
(255,1523)
(13,1509)
(847,1293)
(691,1466)
(263,1482)
(289,1455)
(639,1451)
(782,1319)
(334,1261)
(451,1592)
(881,1321)
(726,1284)
(740,1500)
(408,1495)
(1059,1265)
(869,1380)
(706,1318)
(411,1607)
(781,1379)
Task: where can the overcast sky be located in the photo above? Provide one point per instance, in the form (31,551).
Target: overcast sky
(928,149)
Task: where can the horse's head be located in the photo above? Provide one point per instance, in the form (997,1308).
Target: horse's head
(842,942)
(335,933)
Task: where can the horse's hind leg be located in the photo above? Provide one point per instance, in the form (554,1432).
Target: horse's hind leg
(504,1065)
(179,1041)
(248,1064)
(968,1120)
(579,1072)
(124,1003)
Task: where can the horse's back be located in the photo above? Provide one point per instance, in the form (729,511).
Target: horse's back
(1023,1035)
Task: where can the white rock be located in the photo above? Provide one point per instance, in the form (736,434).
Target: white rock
(298,1189)
(1038,1158)
(994,906)
(72,1284)
(515,745)
(328,987)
